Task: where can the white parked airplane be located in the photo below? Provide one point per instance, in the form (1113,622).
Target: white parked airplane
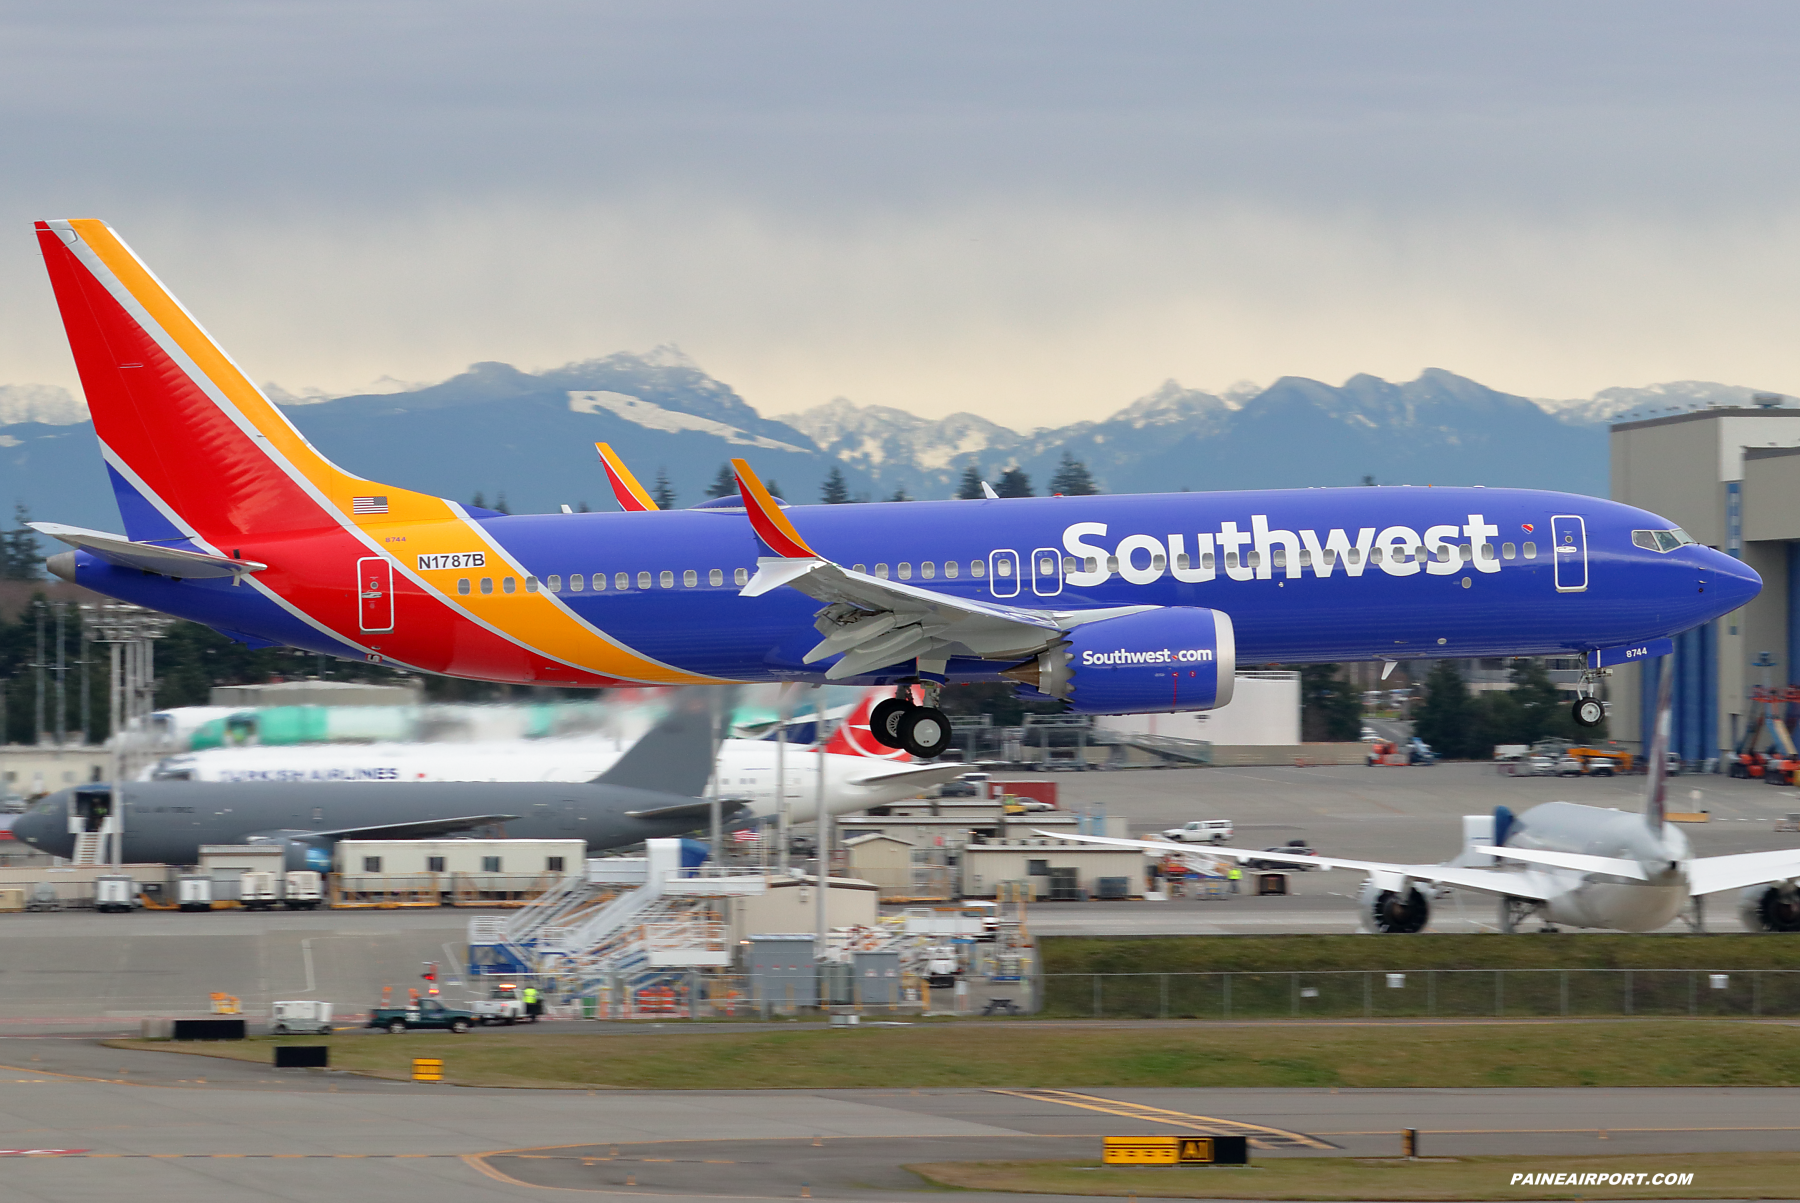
(1582,866)
(859,772)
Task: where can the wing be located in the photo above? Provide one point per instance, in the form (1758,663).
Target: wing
(169,561)
(424,829)
(698,811)
(1488,881)
(1612,865)
(1710,874)
(914,774)
(873,623)
(630,494)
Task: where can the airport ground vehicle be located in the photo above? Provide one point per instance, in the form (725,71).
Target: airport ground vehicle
(256,891)
(1201,831)
(426,1013)
(502,1005)
(1291,848)
(305,890)
(299,1015)
(115,894)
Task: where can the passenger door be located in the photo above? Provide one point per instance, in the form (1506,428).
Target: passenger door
(1046,571)
(375,593)
(1003,573)
(1568,547)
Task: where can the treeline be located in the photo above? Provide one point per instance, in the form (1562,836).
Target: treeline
(1460,725)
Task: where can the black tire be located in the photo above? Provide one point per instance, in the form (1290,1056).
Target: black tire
(279,1029)
(396,1026)
(1588,712)
(884,721)
(925,732)
(459,1026)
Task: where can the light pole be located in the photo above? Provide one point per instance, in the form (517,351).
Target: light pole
(131,632)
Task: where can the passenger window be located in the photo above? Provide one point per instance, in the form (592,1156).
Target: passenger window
(1254,559)
(643,580)
(622,580)
(1329,555)
(741,576)
(1305,559)
(1231,560)
(531,584)
(1531,551)
(862,568)
(951,568)
(1354,555)
(689,579)
(1508,551)
(1070,564)
(462,586)
(1487,551)
(1277,557)
(977,568)
(556,583)
(905,572)
(1112,563)
(1003,568)
(1181,561)
(1374,555)
(508,585)
(576,582)
(1206,561)
(667,579)
(927,570)
(1466,552)
(599,582)
(716,577)
(487,584)
(881,570)
(1445,551)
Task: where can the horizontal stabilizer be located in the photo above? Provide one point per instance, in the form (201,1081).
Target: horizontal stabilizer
(1612,865)
(424,829)
(699,811)
(169,561)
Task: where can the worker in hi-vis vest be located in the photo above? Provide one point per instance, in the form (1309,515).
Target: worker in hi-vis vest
(533,1008)
(1235,874)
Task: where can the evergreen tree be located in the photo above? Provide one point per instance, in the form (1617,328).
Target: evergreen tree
(1072,478)
(582,508)
(1330,706)
(500,502)
(663,493)
(774,489)
(1014,483)
(724,484)
(900,494)
(1446,718)
(19,557)
(970,487)
(479,501)
(834,491)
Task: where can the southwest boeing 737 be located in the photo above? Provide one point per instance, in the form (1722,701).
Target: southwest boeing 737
(1116,604)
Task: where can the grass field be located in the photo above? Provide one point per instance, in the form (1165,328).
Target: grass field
(1010,1053)
(1716,1176)
(1319,954)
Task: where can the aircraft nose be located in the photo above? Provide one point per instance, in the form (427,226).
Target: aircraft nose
(31,827)
(1730,581)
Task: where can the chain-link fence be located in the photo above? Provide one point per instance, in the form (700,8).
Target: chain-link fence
(1415,993)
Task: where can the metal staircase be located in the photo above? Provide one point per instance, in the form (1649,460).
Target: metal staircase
(87,848)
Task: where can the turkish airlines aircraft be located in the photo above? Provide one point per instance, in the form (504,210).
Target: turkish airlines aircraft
(859,772)
(1580,866)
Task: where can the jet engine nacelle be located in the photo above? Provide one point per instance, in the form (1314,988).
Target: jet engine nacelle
(1174,658)
(300,849)
(1394,908)
(1770,908)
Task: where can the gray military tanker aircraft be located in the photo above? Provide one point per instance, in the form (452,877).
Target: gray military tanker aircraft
(648,793)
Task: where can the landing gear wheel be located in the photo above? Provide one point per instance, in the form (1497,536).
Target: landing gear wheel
(1589,712)
(884,721)
(925,732)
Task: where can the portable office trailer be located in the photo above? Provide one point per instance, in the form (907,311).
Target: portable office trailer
(516,858)
(1058,871)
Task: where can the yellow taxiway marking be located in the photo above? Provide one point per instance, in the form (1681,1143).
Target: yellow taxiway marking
(1261,1135)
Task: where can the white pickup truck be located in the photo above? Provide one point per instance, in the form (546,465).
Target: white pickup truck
(503,1005)
(1201,831)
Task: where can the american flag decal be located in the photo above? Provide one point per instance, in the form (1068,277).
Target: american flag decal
(368,505)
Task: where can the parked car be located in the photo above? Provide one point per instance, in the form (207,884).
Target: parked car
(426,1013)
(1291,848)
(1201,831)
(1540,766)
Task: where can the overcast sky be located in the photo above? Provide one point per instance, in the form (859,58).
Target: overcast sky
(1035,211)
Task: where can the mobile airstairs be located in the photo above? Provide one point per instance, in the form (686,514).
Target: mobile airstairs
(628,932)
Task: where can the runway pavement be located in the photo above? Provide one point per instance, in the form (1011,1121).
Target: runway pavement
(166,1128)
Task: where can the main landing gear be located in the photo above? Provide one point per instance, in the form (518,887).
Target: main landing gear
(1588,710)
(899,722)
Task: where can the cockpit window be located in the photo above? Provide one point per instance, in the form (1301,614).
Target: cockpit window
(1661,540)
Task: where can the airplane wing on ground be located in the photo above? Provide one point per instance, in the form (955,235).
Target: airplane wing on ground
(168,561)
(913,774)
(424,829)
(874,622)
(1512,883)
(699,811)
(1710,874)
(1612,865)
